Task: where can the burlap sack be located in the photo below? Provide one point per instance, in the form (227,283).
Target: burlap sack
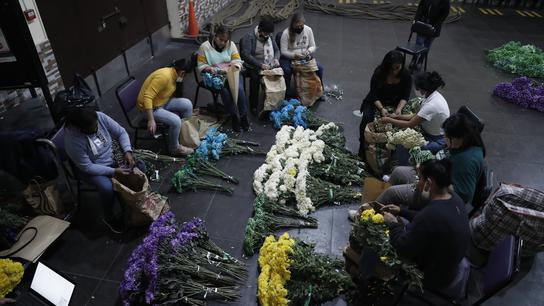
(308,84)
(143,206)
(273,85)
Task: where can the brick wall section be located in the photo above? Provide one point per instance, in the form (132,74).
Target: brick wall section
(204,9)
(10,99)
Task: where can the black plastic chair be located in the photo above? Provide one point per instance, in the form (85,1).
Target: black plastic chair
(465,110)
(127,95)
(414,50)
(502,266)
(55,145)
(200,84)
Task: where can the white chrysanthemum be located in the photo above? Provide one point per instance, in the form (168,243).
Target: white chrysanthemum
(271,186)
(408,138)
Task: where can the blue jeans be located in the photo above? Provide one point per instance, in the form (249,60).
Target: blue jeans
(285,64)
(171,114)
(104,187)
(435,143)
(240,109)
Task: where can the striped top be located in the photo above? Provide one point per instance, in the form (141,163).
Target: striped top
(208,56)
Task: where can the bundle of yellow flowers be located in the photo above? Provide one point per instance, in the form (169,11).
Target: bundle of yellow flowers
(274,263)
(370,214)
(11,273)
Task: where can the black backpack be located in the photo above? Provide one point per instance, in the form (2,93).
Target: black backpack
(79,95)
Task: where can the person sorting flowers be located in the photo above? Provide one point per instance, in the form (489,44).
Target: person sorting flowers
(466,151)
(88,141)
(433,112)
(390,86)
(259,52)
(438,236)
(156,101)
(216,56)
(297,43)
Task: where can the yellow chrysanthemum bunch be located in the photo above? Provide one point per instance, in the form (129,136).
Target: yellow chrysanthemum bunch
(11,273)
(370,214)
(274,263)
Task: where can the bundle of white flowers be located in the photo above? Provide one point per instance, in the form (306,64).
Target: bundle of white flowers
(408,138)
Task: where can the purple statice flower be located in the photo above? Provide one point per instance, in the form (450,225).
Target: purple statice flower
(524,98)
(161,230)
(195,224)
(521,83)
(182,238)
(538,103)
(133,275)
(504,90)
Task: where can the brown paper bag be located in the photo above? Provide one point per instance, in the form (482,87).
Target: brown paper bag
(309,87)
(372,188)
(43,197)
(144,206)
(233,78)
(194,128)
(274,88)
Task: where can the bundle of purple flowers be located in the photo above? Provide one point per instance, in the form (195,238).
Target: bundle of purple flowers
(179,264)
(523,91)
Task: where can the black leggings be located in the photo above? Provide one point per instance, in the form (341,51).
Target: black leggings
(369,111)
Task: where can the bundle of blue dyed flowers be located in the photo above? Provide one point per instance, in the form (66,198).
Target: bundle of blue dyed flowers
(292,112)
(215,81)
(216,144)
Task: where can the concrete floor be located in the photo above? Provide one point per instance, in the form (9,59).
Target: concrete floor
(349,50)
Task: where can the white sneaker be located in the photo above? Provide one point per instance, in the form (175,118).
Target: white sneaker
(353,214)
(181,150)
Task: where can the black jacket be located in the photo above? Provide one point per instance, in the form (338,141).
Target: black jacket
(436,239)
(389,94)
(248,44)
(433,12)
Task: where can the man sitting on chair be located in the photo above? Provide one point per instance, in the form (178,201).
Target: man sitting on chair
(88,142)
(155,99)
(259,52)
(438,236)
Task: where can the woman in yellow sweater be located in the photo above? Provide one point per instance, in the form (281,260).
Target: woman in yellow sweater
(155,99)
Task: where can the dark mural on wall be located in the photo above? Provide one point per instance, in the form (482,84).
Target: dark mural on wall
(86,35)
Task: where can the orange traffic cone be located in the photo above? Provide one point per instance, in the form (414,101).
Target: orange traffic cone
(192,29)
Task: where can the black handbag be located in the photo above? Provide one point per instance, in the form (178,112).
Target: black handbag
(79,95)
(423,28)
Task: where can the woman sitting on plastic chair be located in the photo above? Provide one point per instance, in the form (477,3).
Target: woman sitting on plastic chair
(155,99)
(88,141)
(297,43)
(216,56)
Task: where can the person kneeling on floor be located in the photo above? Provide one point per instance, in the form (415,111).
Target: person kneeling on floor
(156,101)
(88,142)
(438,236)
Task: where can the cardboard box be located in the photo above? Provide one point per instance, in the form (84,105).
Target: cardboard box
(372,188)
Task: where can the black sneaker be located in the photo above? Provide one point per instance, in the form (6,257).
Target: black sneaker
(245,123)
(114,226)
(235,124)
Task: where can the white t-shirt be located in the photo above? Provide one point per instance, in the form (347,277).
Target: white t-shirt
(435,111)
